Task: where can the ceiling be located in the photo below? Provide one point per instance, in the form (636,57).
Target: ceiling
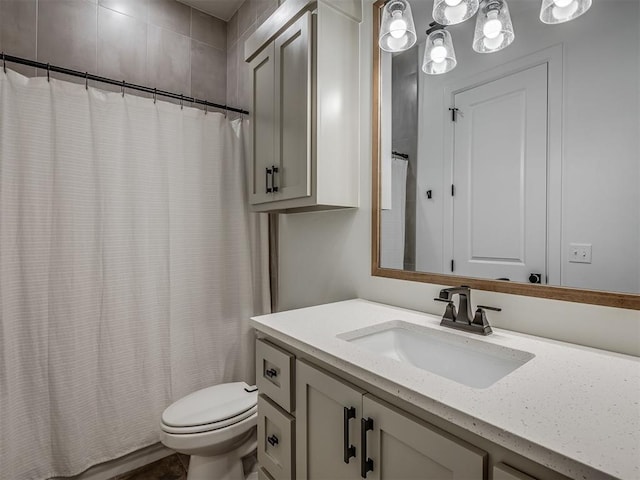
(222,9)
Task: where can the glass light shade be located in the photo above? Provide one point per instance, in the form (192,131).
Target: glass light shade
(439,55)
(451,12)
(560,11)
(494,29)
(397,31)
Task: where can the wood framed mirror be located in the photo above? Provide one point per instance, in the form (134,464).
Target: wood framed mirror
(586,201)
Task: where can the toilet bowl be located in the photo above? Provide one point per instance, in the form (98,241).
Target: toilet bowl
(216,426)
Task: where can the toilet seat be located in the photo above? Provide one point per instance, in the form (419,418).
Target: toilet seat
(211,408)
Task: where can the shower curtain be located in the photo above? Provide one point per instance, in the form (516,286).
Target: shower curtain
(129,266)
(392,220)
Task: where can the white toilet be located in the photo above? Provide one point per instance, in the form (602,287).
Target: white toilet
(216,426)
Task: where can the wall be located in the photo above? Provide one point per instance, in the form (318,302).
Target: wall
(600,144)
(244,22)
(158,43)
(326,257)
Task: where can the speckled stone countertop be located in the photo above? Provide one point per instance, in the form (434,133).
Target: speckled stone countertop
(573,409)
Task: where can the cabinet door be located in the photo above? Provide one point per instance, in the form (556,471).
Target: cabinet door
(505,472)
(293,59)
(263,125)
(322,404)
(404,447)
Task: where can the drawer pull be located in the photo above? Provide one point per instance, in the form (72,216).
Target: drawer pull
(366,464)
(349,450)
(272,372)
(269,173)
(273,440)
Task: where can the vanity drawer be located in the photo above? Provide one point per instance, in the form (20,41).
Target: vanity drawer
(274,373)
(505,472)
(263,475)
(275,440)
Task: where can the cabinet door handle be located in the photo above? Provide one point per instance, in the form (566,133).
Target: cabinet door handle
(275,170)
(366,464)
(267,175)
(272,372)
(273,440)
(349,450)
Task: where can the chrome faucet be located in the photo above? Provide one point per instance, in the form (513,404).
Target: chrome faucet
(463,318)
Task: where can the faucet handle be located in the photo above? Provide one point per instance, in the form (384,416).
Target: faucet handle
(450,313)
(480,318)
(485,307)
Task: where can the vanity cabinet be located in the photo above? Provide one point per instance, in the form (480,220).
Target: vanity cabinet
(304,111)
(345,433)
(315,425)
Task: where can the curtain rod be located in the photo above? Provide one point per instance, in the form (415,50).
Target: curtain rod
(124,85)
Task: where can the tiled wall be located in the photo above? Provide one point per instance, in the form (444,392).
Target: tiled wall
(245,21)
(158,43)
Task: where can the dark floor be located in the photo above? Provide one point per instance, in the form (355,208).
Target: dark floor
(173,467)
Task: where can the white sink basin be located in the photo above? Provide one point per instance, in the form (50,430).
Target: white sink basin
(465,360)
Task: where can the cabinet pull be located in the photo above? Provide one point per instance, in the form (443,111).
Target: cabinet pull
(272,372)
(268,174)
(366,464)
(275,170)
(349,450)
(273,440)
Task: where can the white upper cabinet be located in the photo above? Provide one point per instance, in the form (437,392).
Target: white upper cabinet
(304,113)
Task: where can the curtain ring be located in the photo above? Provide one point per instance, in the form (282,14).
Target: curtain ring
(226,110)
(155,93)
(86,80)
(4,62)
(181,101)
(206,107)
(122,88)
(48,72)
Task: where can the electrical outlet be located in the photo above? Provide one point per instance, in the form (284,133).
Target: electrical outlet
(580,252)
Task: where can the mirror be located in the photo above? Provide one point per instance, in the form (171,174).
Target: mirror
(518,171)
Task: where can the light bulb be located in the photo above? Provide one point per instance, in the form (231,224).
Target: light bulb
(452,3)
(397,44)
(564,12)
(398,27)
(456,13)
(562,3)
(493,43)
(493,27)
(439,52)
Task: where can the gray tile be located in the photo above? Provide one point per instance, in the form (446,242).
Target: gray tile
(208,72)
(134,8)
(232,30)
(168,60)
(18,32)
(67,33)
(232,75)
(208,29)
(170,14)
(244,72)
(264,9)
(246,16)
(168,468)
(184,461)
(122,47)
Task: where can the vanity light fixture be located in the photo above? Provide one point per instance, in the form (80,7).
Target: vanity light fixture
(494,29)
(452,12)
(397,32)
(439,54)
(560,11)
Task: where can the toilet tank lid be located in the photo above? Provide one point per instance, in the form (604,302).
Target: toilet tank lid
(210,405)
